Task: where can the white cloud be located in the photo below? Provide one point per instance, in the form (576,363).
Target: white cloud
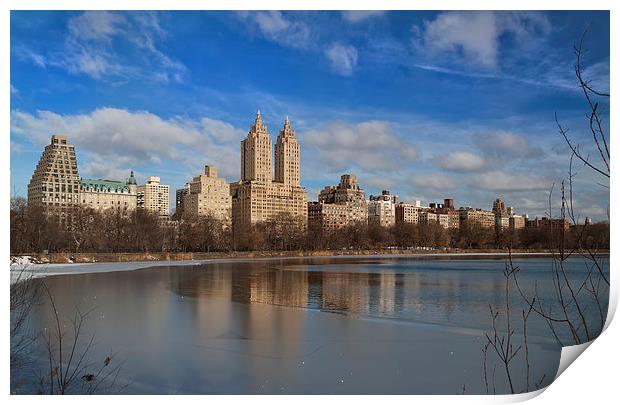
(371,146)
(96,25)
(110,140)
(433,181)
(14,91)
(104,44)
(500,181)
(598,76)
(505,144)
(279,27)
(356,16)
(28,55)
(343,58)
(460,161)
(475,35)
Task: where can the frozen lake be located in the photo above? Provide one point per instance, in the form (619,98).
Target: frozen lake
(304,326)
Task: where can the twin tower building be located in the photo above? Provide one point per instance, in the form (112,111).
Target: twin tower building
(263,192)
(266,191)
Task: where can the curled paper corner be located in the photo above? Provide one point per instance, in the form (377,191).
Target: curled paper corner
(569,355)
(526,396)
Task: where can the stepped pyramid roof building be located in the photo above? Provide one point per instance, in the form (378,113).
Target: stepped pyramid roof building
(260,194)
(339,206)
(55,184)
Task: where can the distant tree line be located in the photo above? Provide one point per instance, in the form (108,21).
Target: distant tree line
(113,231)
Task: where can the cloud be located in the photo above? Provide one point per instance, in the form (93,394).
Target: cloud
(500,181)
(25,54)
(343,58)
(104,44)
(14,91)
(460,162)
(505,144)
(356,16)
(111,140)
(433,181)
(366,146)
(283,28)
(598,76)
(475,36)
(96,25)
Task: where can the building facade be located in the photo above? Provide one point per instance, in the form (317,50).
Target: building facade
(208,195)
(55,184)
(516,222)
(179,198)
(109,194)
(544,222)
(154,197)
(409,212)
(382,209)
(477,216)
(339,206)
(257,196)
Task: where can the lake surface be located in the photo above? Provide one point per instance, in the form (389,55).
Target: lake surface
(306,326)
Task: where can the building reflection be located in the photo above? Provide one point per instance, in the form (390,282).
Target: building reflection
(368,293)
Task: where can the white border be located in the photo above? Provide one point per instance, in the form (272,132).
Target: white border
(593,377)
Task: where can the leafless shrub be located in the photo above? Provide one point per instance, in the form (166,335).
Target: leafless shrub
(70,369)
(24,295)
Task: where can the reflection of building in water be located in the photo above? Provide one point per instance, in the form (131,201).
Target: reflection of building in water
(287,288)
(387,285)
(344,292)
(215,283)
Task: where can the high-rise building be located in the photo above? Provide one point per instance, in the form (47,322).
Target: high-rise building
(179,198)
(428,217)
(208,195)
(447,215)
(382,209)
(257,196)
(256,152)
(154,196)
(476,216)
(409,212)
(499,207)
(55,184)
(105,194)
(517,222)
(287,156)
(502,222)
(339,206)
(327,216)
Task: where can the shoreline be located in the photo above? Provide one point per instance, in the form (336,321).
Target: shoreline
(83,258)
(23,268)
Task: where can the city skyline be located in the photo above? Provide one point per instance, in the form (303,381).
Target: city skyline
(352,114)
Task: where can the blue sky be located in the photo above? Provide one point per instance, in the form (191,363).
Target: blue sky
(430,105)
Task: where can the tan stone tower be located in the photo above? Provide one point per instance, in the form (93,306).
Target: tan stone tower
(256,152)
(287,156)
(256,197)
(55,184)
(208,195)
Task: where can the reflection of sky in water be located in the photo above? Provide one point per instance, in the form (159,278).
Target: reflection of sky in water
(302,326)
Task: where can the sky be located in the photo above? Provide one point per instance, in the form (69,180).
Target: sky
(429,105)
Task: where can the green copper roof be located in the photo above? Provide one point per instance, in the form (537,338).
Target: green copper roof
(132,179)
(110,186)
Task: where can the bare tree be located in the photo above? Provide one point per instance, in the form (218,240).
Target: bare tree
(571,310)
(70,369)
